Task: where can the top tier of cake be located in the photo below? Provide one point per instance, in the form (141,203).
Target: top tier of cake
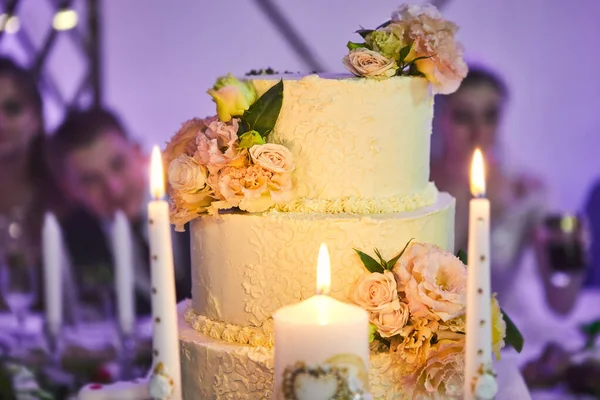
(359,145)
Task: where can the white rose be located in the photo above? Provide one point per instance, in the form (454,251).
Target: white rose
(369,63)
(186,174)
(273,157)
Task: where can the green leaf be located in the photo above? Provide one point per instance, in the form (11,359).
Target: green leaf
(419,58)
(364,32)
(513,337)
(381,259)
(393,261)
(369,262)
(386,23)
(354,46)
(263,114)
(462,256)
(404,52)
(591,332)
(250,138)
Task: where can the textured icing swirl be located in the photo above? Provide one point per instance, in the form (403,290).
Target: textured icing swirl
(254,336)
(244,267)
(355,205)
(355,138)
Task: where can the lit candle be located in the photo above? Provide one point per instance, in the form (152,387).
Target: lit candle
(123,261)
(164,306)
(479,381)
(316,340)
(53,271)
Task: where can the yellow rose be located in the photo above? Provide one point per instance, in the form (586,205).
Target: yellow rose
(232,96)
(498,327)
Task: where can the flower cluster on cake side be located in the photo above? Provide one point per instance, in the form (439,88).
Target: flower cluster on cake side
(417,310)
(416,41)
(225,161)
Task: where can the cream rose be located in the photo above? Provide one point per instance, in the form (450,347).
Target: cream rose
(272,157)
(375,291)
(369,63)
(186,174)
(441,376)
(391,319)
(183,142)
(434,282)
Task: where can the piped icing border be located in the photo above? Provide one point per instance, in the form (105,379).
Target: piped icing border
(253,336)
(357,205)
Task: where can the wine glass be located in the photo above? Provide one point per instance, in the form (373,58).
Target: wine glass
(18,286)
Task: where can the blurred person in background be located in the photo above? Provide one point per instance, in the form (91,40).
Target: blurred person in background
(27,190)
(471,118)
(103,171)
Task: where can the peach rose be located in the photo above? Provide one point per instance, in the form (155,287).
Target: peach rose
(216,147)
(413,343)
(224,133)
(433,280)
(441,376)
(369,63)
(273,157)
(186,174)
(409,11)
(375,291)
(246,188)
(185,207)
(434,38)
(183,142)
(281,188)
(391,319)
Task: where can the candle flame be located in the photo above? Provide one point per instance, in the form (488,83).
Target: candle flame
(323,271)
(157,184)
(477,175)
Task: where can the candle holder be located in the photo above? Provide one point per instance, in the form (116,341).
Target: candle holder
(127,352)
(55,346)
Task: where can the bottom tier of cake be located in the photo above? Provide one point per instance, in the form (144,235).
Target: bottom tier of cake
(213,370)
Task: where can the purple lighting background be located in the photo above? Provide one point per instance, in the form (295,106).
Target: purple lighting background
(160,58)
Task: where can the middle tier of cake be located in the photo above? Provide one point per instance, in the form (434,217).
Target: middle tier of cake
(244,266)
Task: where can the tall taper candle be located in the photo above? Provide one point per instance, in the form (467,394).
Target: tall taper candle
(53,272)
(124,286)
(479,383)
(164,307)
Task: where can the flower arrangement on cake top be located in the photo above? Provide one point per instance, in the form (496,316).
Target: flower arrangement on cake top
(224,162)
(416,41)
(417,310)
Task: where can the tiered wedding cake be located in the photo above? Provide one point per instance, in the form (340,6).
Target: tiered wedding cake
(295,161)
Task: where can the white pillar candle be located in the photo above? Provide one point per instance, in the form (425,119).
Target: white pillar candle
(53,270)
(123,261)
(478,352)
(164,307)
(315,339)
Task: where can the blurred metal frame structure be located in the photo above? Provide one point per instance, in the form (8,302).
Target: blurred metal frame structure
(87,40)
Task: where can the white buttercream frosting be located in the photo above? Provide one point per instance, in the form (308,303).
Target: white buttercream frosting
(355,138)
(244,267)
(358,205)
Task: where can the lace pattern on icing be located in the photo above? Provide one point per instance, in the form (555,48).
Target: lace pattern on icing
(254,336)
(356,205)
(243,379)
